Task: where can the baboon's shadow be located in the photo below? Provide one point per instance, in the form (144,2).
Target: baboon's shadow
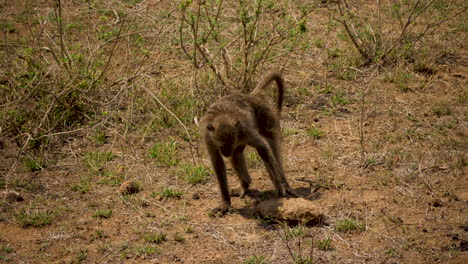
(249,211)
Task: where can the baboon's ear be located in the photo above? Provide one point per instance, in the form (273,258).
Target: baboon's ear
(210,127)
(238,124)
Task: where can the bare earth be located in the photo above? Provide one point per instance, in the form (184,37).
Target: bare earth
(393,161)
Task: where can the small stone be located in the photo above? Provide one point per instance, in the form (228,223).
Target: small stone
(437,203)
(129,187)
(12,196)
(195,196)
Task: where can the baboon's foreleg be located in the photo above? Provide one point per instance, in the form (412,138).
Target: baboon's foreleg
(220,171)
(240,166)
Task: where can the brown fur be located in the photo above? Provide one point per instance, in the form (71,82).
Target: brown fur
(237,120)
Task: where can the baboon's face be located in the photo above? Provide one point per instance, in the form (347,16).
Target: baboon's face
(227,145)
(224,136)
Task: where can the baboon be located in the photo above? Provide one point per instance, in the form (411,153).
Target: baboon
(237,120)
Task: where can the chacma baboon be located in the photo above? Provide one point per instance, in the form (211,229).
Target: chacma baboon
(237,120)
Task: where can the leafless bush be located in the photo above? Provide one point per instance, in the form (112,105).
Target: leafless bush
(373,33)
(235,40)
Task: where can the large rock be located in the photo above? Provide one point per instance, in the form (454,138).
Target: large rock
(291,210)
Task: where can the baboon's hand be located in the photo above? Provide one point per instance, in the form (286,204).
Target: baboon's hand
(220,211)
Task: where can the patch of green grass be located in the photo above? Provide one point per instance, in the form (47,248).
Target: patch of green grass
(339,99)
(156,238)
(254,259)
(189,230)
(401,77)
(325,88)
(319,43)
(441,109)
(104,213)
(102,248)
(290,131)
(5,249)
(324,244)
(111,178)
(23,184)
(95,160)
(99,138)
(460,162)
(178,237)
(347,74)
(7,27)
(146,250)
(253,160)
(349,224)
(168,193)
(315,132)
(83,186)
(164,153)
(32,217)
(80,257)
(393,253)
(193,174)
(302,91)
(32,164)
(294,232)
(334,52)
(101,234)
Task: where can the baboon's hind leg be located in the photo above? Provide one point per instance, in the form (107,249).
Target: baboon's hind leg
(275,144)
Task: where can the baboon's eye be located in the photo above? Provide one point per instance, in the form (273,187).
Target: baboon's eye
(210,127)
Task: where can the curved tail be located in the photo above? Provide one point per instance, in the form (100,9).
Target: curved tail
(276,76)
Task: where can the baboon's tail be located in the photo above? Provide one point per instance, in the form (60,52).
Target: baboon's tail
(276,76)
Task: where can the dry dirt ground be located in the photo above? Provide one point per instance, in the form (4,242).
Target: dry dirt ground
(392,162)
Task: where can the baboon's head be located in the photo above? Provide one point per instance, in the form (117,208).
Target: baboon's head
(224,134)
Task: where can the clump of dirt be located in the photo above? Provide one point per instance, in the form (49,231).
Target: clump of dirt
(129,187)
(12,196)
(291,210)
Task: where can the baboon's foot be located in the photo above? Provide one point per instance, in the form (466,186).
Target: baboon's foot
(239,191)
(281,192)
(285,190)
(291,192)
